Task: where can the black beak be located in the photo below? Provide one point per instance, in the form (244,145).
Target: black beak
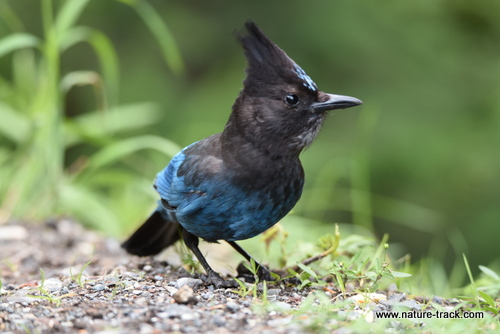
(331,101)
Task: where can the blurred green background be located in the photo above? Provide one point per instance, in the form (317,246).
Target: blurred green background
(95,97)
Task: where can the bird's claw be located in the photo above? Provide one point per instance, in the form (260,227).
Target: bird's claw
(218,282)
(263,273)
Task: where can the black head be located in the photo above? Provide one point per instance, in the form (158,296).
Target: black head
(279,101)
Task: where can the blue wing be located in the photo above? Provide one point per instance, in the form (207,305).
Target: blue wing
(199,192)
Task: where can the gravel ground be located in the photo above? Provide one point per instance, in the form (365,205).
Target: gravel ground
(118,293)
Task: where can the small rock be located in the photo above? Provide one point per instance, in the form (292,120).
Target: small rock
(13,233)
(99,287)
(282,306)
(207,295)
(272,292)
(174,311)
(232,307)
(437,300)
(53,284)
(141,301)
(20,300)
(94,313)
(191,282)
(279,322)
(388,304)
(190,316)
(411,304)
(185,295)
(366,298)
(146,329)
(382,307)
(219,321)
(397,297)
(246,303)
(171,290)
(131,274)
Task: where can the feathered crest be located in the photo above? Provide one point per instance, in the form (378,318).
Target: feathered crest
(268,64)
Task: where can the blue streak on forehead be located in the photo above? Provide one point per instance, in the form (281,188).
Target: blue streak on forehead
(306,80)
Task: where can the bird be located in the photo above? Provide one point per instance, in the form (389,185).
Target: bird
(238,183)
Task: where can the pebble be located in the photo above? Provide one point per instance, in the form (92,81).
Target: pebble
(279,322)
(411,304)
(219,321)
(52,284)
(189,316)
(282,306)
(437,300)
(141,301)
(207,295)
(19,299)
(232,307)
(397,297)
(174,311)
(191,282)
(13,233)
(185,295)
(99,287)
(272,292)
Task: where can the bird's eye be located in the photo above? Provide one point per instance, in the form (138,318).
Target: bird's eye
(292,99)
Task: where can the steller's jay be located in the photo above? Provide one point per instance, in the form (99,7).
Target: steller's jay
(238,183)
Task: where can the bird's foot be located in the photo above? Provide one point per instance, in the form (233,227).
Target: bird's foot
(264,274)
(218,282)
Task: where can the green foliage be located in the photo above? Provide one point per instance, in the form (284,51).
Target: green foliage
(362,270)
(246,289)
(482,299)
(44,293)
(78,278)
(37,179)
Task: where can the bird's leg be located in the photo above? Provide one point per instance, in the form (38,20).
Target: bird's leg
(262,271)
(191,242)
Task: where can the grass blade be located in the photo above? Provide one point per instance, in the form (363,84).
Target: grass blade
(119,149)
(17,41)
(105,52)
(96,126)
(159,29)
(14,125)
(69,14)
(488,272)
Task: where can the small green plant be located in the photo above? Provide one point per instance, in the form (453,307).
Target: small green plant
(243,290)
(247,289)
(190,263)
(482,299)
(78,278)
(44,293)
(349,265)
